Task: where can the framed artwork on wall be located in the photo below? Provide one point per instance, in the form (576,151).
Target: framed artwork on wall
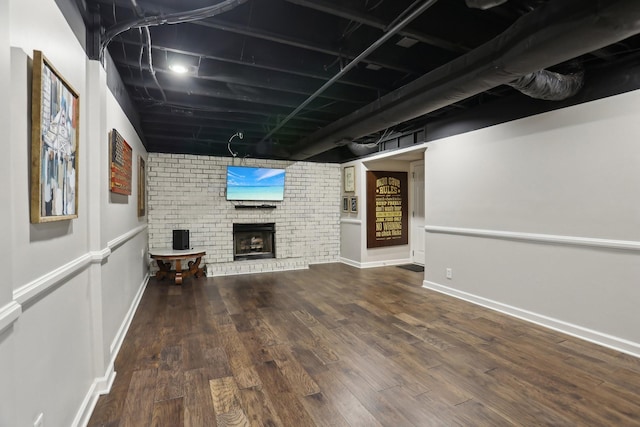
(345,203)
(55,135)
(142,187)
(121,154)
(354,204)
(350,179)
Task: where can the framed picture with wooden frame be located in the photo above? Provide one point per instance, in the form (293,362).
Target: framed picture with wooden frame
(55,137)
(142,187)
(345,203)
(349,179)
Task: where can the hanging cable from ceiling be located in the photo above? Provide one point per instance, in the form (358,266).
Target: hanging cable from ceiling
(151,69)
(143,23)
(172,18)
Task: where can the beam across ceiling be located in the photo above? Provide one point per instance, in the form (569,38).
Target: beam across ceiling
(236,75)
(270,36)
(262,66)
(221,91)
(374,22)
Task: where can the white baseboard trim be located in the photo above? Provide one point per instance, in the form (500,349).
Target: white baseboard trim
(99,387)
(628,245)
(605,340)
(240,273)
(124,327)
(102,385)
(323,262)
(374,264)
(9,314)
(350,262)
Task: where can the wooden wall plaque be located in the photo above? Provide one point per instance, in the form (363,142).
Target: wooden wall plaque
(120,165)
(387,209)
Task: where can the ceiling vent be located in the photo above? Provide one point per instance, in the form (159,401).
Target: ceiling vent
(406,42)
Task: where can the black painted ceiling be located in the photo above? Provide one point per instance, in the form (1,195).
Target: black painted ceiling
(251,66)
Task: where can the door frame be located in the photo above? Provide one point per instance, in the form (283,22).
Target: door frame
(412,205)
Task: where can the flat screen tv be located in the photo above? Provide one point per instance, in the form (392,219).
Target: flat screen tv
(255,184)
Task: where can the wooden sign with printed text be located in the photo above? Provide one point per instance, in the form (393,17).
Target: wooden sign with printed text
(387,206)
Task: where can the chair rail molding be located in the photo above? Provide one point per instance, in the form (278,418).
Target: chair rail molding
(9,314)
(31,290)
(629,245)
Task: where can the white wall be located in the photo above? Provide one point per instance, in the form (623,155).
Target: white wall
(188,192)
(128,265)
(61,289)
(530,215)
(9,310)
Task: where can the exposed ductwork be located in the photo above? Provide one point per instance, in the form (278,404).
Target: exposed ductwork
(556,32)
(541,84)
(548,85)
(484,4)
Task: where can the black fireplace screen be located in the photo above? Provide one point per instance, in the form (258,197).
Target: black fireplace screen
(254,241)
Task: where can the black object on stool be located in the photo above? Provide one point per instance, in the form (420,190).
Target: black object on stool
(180,239)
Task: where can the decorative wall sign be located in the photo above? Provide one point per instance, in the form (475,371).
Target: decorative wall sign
(120,165)
(387,206)
(142,187)
(349,179)
(55,136)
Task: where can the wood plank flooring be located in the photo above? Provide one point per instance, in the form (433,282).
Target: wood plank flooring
(339,346)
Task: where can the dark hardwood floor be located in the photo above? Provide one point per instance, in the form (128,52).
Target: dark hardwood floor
(339,346)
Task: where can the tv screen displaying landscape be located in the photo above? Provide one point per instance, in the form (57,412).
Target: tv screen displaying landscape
(256,184)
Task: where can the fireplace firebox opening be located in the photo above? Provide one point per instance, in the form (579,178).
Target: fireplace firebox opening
(254,241)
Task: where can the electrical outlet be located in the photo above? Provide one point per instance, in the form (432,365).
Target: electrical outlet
(449,273)
(39,422)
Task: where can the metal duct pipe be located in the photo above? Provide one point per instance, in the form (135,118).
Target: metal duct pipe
(541,84)
(548,85)
(362,149)
(556,32)
(484,4)
(412,14)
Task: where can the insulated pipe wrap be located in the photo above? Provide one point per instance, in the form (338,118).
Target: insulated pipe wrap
(556,32)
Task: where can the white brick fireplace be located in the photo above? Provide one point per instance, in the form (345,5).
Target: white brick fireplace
(188,192)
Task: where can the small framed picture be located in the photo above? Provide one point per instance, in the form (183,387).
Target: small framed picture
(354,203)
(345,203)
(350,179)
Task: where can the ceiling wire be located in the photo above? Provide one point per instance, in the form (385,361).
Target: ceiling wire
(140,57)
(151,69)
(172,18)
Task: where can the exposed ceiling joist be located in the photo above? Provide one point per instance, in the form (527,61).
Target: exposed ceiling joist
(374,22)
(269,36)
(226,73)
(254,65)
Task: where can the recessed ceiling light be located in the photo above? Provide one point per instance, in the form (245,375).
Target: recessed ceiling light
(406,42)
(373,67)
(178,68)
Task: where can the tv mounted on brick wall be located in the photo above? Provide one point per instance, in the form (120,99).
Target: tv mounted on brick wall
(255,184)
